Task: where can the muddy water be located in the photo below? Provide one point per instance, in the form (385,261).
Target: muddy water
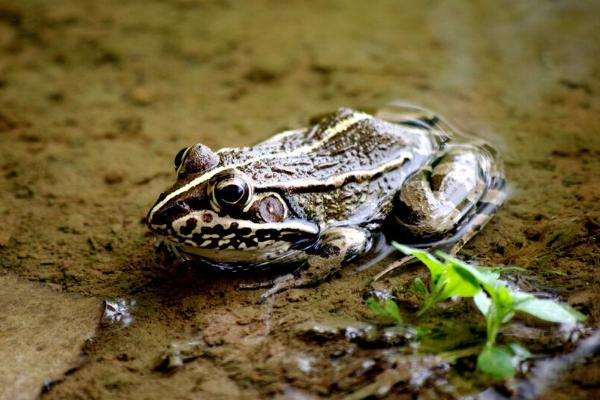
(95,100)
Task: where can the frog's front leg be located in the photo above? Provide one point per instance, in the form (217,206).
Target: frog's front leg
(336,247)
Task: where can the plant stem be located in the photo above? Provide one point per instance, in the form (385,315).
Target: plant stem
(426,306)
(493,319)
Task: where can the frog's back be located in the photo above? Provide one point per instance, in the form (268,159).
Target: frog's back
(344,168)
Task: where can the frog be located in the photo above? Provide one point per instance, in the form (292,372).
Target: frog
(308,201)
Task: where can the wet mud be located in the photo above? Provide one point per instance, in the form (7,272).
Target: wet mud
(96,98)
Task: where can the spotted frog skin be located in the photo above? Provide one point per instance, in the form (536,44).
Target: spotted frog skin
(320,196)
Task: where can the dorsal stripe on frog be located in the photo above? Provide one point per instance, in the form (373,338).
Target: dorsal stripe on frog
(336,181)
(330,133)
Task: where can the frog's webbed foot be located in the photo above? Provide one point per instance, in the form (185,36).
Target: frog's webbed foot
(280,284)
(337,246)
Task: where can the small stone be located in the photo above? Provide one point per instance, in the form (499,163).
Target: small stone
(141,96)
(179,353)
(318,331)
(75,224)
(112,178)
(536,231)
(118,311)
(397,335)
(23,192)
(261,75)
(362,333)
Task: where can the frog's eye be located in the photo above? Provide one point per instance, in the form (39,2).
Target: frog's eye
(195,159)
(231,191)
(179,157)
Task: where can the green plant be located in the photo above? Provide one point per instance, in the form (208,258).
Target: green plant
(385,308)
(446,280)
(493,297)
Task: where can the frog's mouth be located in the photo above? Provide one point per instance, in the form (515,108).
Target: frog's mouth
(227,240)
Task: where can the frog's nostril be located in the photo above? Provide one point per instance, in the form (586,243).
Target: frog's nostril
(168,213)
(157,218)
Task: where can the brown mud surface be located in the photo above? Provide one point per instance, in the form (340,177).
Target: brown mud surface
(97,97)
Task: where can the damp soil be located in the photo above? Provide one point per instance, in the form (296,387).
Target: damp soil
(96,98)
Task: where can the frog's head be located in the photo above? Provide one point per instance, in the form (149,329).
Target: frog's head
(214,211)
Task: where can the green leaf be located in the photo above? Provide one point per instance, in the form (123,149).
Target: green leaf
(501,362)
(436,268)
(496,362)
(460,282)
(419,288)
(502,304)
(519,351)
(422,332)
(376,307)
(481,274)
(392,310)
(385,308)
(548,310)
(504,296)
(482,301)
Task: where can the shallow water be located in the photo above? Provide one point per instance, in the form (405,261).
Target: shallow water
(96,99)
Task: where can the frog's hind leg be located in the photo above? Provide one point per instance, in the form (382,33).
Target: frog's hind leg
(475,221)
(445,204)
